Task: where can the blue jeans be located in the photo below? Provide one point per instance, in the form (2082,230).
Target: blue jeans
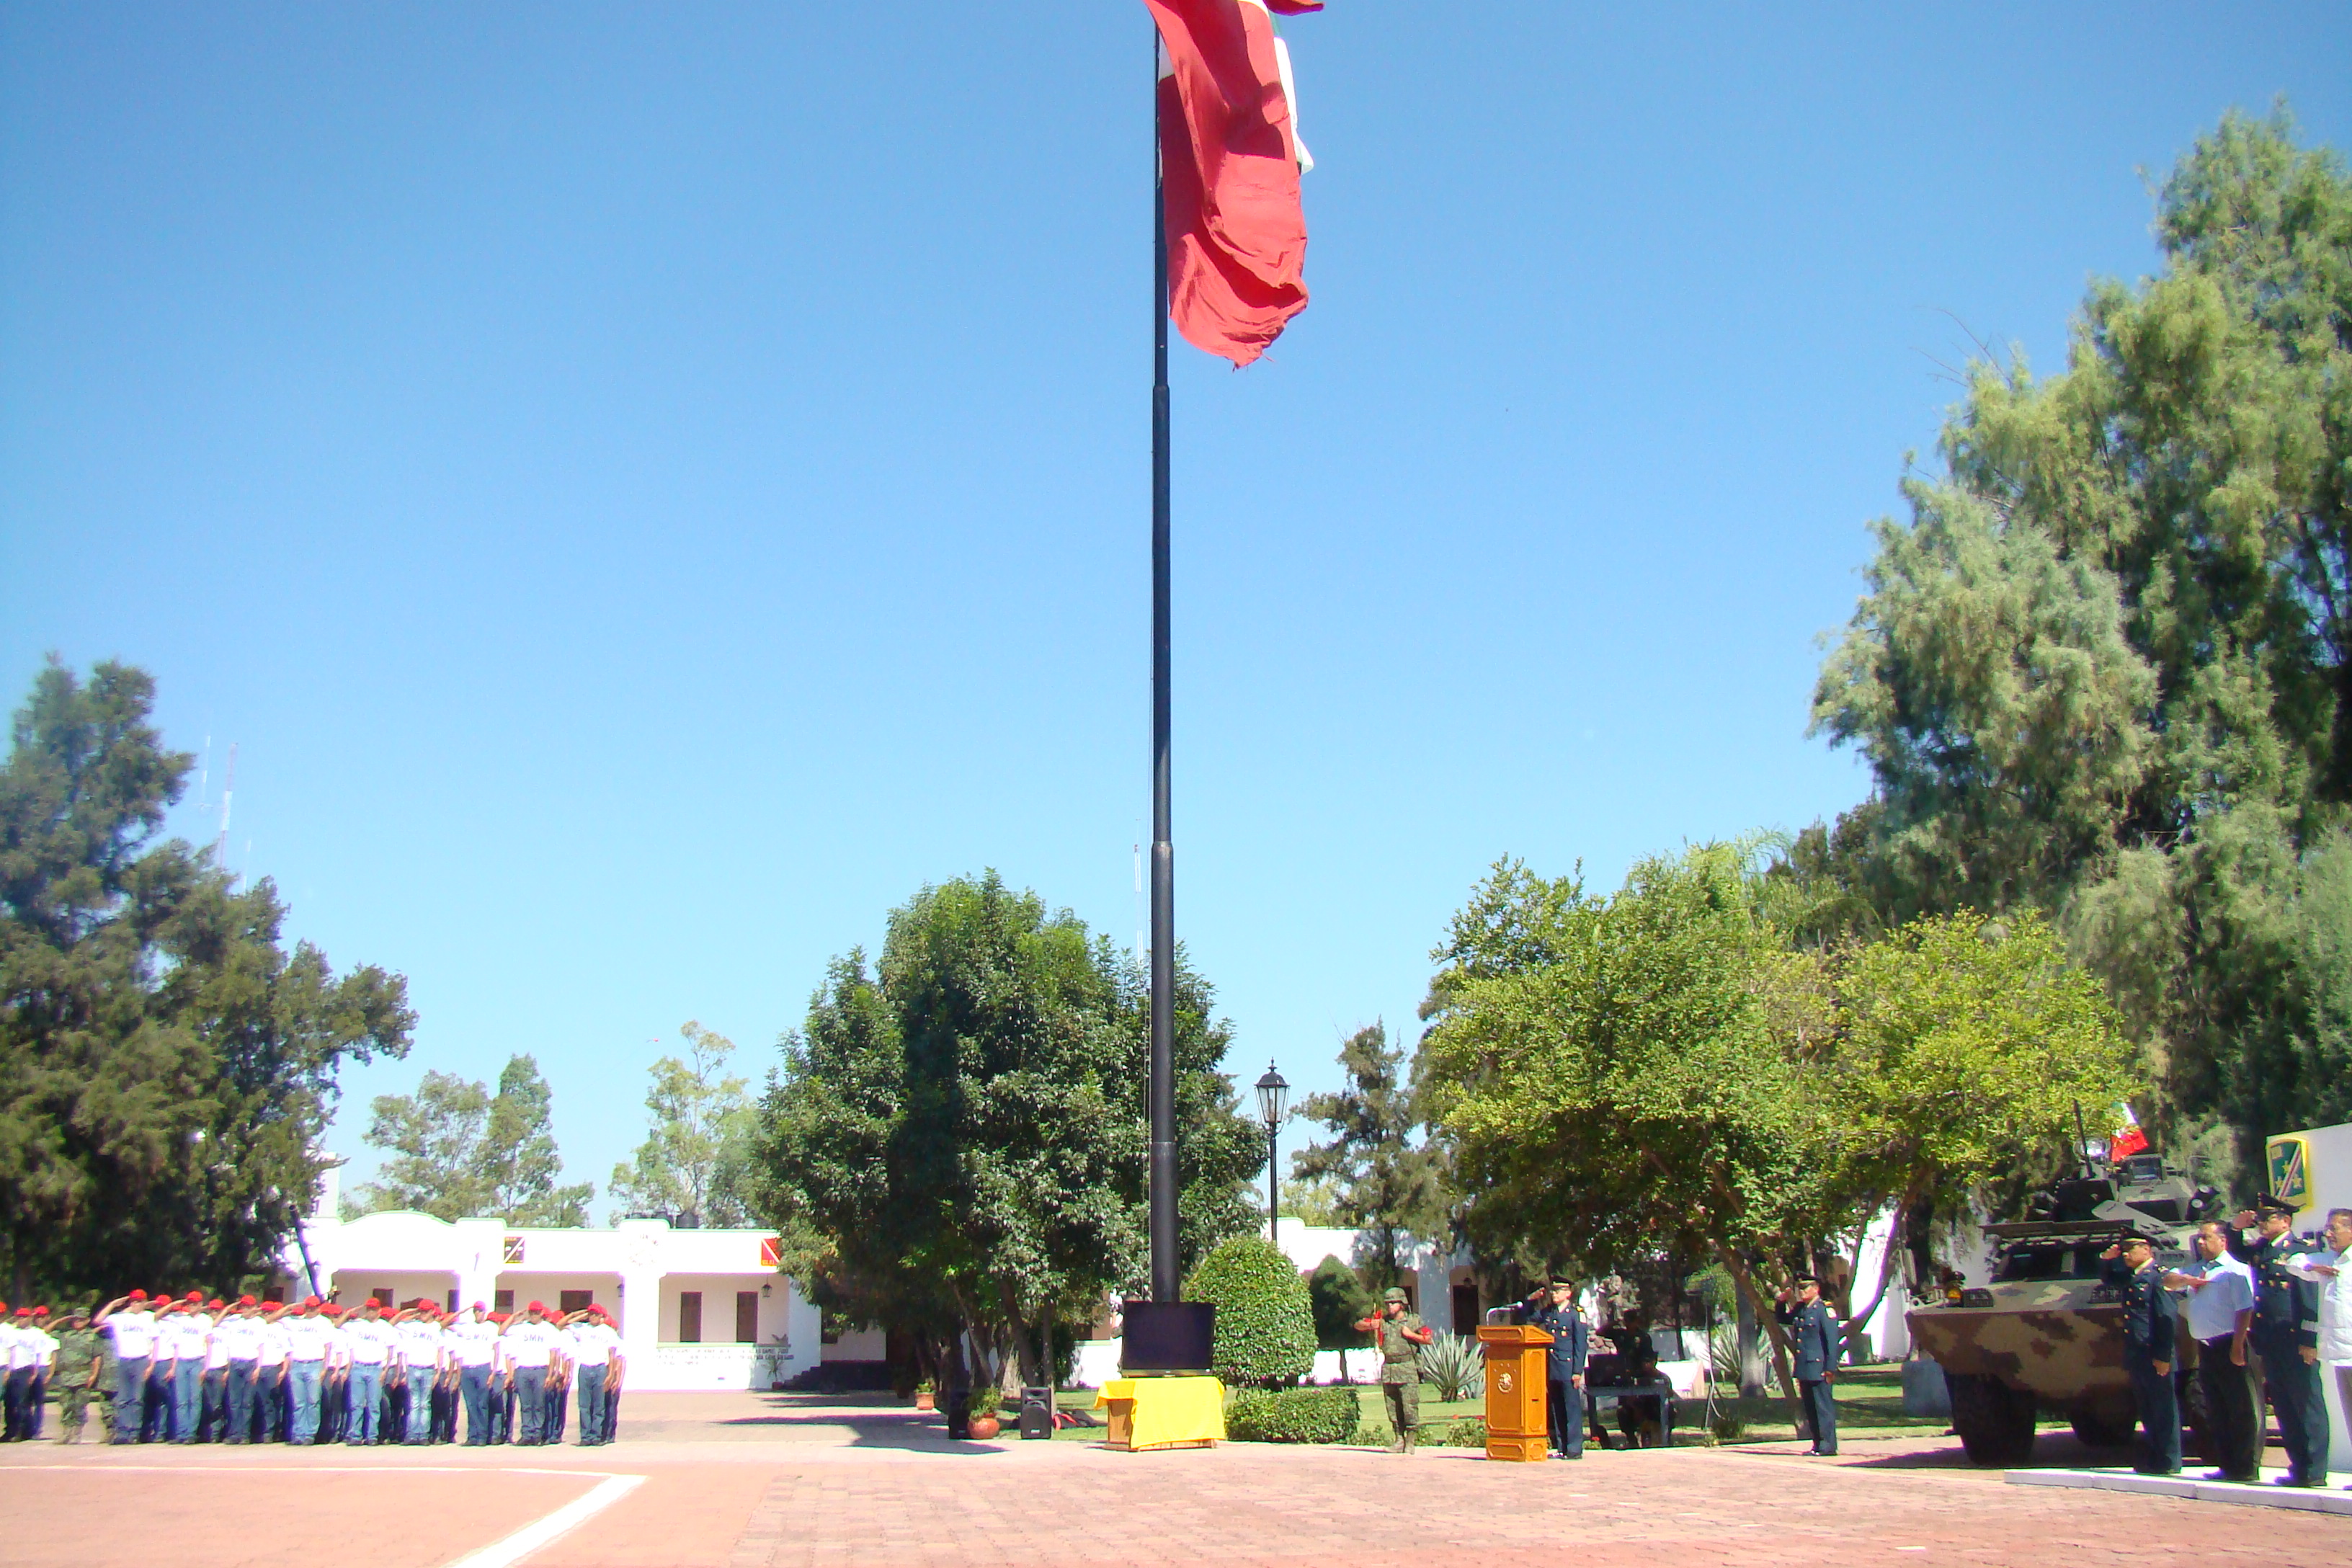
(187,1398)
(531,1388)
(240,1401)
(129,1389)
(367,1401)
(269,1403)
(305,1376)
(474,1388)
(591,1405)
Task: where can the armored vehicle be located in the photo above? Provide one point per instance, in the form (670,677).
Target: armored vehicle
(2047,1335)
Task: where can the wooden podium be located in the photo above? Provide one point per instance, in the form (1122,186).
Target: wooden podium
(1515,1373)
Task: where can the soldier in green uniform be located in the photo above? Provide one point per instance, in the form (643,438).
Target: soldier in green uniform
(81,1351)
(1400,1336)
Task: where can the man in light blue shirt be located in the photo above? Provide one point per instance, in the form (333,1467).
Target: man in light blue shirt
(2220,1312)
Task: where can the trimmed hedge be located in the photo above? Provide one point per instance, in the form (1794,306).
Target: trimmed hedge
(1294,1416)
(1470,1432)
(1266,1331)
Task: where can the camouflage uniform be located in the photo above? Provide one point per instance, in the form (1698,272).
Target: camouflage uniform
(79,1353)
(1400,1376)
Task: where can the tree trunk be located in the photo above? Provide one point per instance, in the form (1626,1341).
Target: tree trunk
(1751,1348)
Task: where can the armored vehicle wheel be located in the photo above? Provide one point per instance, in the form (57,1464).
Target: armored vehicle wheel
(1995,1422)
(2100,1429)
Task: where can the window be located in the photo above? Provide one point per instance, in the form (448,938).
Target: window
(747,1316)
(453,1298)
(1465,1308)
(690,1316)
(383,1294)
(275,1294)
(575,1300)
(501,1301)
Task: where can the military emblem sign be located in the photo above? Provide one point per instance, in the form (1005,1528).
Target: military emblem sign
(2290,1168)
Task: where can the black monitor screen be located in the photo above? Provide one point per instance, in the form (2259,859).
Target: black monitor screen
(1167,1336)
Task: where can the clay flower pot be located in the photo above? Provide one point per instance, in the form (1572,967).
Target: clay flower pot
(924,1401)
(983,1427)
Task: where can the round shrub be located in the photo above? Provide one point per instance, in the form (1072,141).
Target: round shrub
(1266,1331)
(1470,1432)
(1294,1416)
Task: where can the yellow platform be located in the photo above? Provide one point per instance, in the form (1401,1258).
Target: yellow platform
(1163,1412)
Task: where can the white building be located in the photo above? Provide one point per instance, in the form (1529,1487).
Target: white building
(696,1308)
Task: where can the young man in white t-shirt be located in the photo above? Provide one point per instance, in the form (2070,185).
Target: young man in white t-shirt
(129,1323)
(309,1347)
(529,1341)
(593,1346)
(472,1347)
(271,1344)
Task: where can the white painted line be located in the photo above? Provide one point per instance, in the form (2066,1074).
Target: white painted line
(531,1537)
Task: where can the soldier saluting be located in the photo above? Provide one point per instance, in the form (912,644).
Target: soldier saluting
(2150,1325)
(1398,1335)
(1813,1340)
(2286,1334)
(1552,1309)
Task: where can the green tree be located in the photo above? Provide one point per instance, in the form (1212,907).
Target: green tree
(694,1167)
(1621,1076)
(459,1152)
(956,1140)
(1387,1183)
(1265,1325)
(2103,669)
(1338,1300)
(167,1065)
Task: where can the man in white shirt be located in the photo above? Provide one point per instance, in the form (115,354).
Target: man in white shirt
(367,1341)
(308,1343)
(271,1343)
(2333,1275)
(212,1416)
(24,1351)
(529,1343)
(12,1395)
(236,1342)
(2220,1313)
(130,1325)
(473,1346)
(189,1330)
(418,1332)
(43,1351)
(592,1344)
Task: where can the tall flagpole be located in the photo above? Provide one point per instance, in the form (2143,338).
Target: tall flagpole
(1165,1281)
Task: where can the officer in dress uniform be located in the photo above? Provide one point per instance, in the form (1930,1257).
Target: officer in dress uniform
(1813,1340)
(2286,1334)
(2150,1322)
(1552,1309)
(1399,1336)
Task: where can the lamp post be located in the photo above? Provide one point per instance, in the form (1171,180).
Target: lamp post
(1271,1090)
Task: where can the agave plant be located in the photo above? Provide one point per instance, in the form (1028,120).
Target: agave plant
(1454,1367)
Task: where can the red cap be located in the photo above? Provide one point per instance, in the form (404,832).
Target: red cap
(312,1301)
(22,1312)
(538,1306)
(215,1305)
(246,1301)
(196,1295)
(139,1295)
(479,1306)
(40,1311)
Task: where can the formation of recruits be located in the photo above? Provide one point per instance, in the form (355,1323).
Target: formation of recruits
(196,1371)
(2267,1313)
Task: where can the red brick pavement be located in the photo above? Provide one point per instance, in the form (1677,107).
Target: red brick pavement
(888,1494)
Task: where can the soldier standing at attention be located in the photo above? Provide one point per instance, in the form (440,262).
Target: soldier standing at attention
(2220,1315)
(12,1387)
(1552,1309)
(2286,1336)
(77,1373)
(271,1342)
(130,1327)
(1813,1340)
(2149,1322)
(1399,1336)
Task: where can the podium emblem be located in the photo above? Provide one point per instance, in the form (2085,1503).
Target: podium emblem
(1505,1381)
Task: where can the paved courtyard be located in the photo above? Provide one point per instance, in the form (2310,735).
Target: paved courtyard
(726,1480)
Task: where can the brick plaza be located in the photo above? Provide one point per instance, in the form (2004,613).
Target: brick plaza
(753,1480)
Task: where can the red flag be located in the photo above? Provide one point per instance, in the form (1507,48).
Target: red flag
(1229,160)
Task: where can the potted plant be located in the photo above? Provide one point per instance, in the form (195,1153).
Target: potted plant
(984,1423)
(925,1397)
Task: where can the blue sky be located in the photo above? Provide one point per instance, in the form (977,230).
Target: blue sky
(647,487)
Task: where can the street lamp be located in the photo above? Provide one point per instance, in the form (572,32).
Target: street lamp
(1271,1091)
